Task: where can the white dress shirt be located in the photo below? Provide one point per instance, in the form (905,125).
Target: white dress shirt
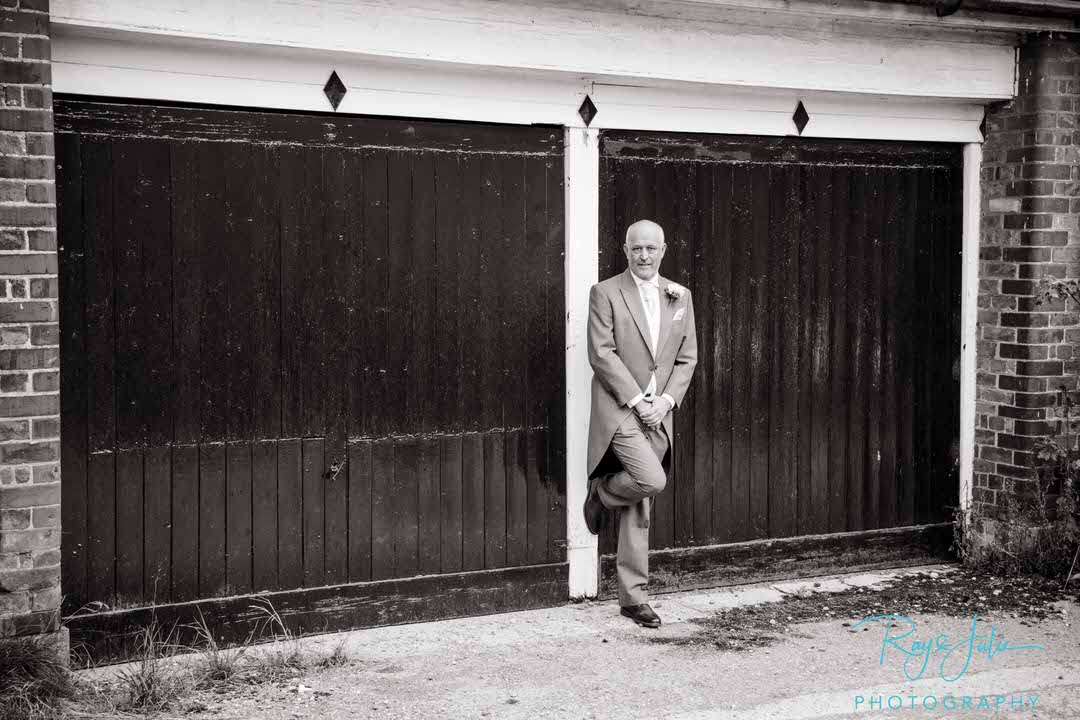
(649,290)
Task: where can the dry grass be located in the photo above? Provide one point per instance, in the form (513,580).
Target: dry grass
(34,683)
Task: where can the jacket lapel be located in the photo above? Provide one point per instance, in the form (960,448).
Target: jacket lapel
(666,311)
(637,311)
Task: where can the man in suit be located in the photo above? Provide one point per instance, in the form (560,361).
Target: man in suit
(643,350)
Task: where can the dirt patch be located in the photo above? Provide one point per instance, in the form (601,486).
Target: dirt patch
(957,593)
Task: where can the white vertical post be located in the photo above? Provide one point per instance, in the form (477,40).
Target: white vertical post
(582,188)
(969,319)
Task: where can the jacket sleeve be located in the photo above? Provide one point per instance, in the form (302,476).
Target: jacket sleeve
(603,355)
(686,359)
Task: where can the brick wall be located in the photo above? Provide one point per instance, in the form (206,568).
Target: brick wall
(1030,201)
(29,353)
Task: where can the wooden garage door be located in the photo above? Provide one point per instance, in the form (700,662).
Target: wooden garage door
(305,350)
(826,281)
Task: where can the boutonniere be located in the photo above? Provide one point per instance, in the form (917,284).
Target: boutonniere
(675,291)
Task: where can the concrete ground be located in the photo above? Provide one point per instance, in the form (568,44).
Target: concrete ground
(585,661)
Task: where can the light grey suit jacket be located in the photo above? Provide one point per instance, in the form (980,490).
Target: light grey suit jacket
(622,360)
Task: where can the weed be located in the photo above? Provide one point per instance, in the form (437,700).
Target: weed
(220,665)
(34,683)
(154,681)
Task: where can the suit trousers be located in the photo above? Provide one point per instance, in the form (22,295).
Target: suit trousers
(641,450)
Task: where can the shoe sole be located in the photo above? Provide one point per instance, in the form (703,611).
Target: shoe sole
(585,513)
(642,623)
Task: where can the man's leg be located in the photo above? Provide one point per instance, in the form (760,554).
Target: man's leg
(640,450)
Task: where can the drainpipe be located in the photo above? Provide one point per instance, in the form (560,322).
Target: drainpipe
(1069,9)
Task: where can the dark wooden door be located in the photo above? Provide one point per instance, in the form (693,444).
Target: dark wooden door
(305,350)
(826,281)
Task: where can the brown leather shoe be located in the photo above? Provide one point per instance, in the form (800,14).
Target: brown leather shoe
(641,614)
(595,515)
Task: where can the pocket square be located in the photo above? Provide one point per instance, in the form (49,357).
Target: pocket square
(678,314)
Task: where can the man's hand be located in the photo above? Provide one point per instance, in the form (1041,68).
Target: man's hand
(652,411)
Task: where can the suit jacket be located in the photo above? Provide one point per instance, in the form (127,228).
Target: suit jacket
(622,360)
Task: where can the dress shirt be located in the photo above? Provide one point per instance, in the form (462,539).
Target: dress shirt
(650,290)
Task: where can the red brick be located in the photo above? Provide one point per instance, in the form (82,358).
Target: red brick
(29,452)
(27,312)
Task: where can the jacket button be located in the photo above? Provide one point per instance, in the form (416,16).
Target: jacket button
(653,367)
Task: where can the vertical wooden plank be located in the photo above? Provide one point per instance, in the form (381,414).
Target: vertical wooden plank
(888,501)
(555,437)
(74,373)
(704,283)
(541,369)
(494,501)
(473,297)
(422,389)
(157,524)
(290,520)
(315,282)
(406,511)
(213,298)
(858,350)
(185,523)
(297,353)
(514,358)
(101,528)
(927,350)
(370,338)
(472,501)
(264,515)
(130,212)
(359,510)
(535,470)
(449,319)
(336,243)
(820,380)
(212,502)
(266,301)
(741,367)
(839,352)
(100,286)
(681,250)
(906,360)
(238,515)
(402,401)
(314,479)
(720,262)
(429,530)
(450,515)
(516,457)
(783,351)
(760,319)
(129,527)
(875,351)
(187,276)
(240,347)
(383,505)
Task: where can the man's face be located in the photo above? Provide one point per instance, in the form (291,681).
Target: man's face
(644,250)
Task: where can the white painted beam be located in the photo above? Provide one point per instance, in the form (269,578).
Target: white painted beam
(969,297)
(582,192)
(130,65)
(687,42)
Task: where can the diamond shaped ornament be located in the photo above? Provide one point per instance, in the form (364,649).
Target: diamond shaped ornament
(334,90)
(801,117)
(587,111)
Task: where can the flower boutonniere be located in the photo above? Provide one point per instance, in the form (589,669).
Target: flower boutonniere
(675,291)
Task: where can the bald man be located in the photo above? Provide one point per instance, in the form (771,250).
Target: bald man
(643,350)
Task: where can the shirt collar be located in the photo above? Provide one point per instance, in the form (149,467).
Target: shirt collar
(655,281)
